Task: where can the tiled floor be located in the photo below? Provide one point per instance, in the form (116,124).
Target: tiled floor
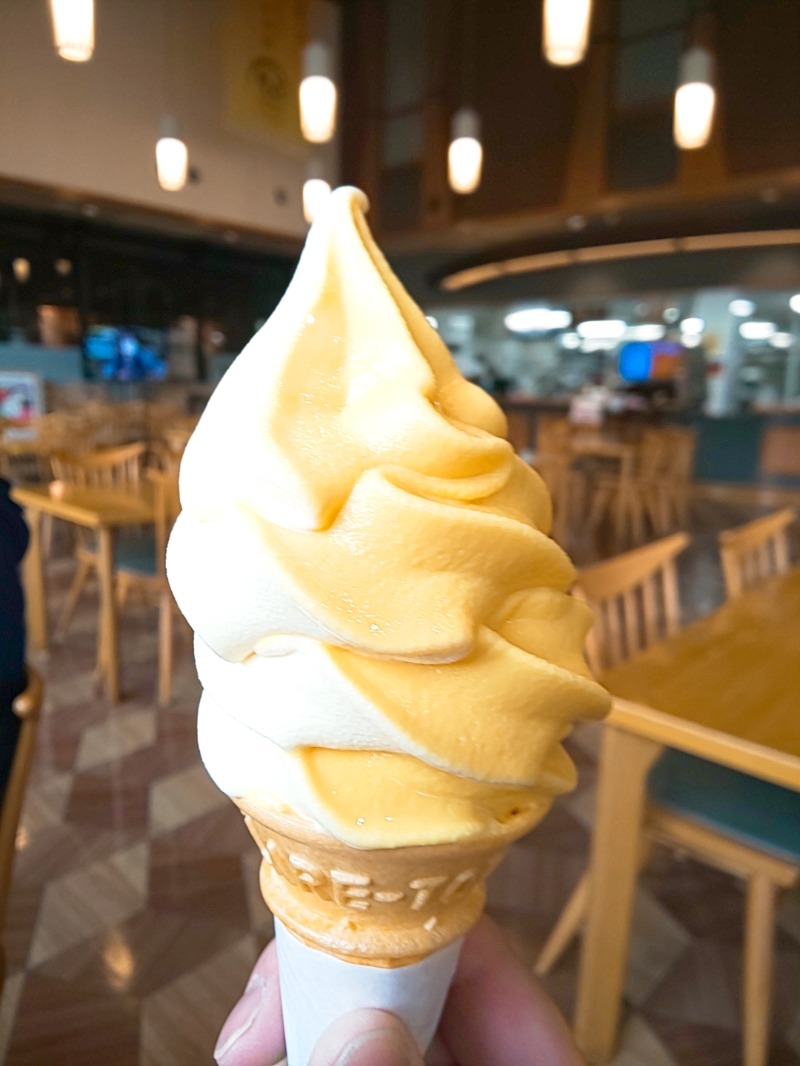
(135,914)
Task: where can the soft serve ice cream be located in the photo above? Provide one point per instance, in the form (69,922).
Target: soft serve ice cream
(383,631)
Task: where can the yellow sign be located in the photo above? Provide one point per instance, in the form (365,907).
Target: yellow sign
(264,40)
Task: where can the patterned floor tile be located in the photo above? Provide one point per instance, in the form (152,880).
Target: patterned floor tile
(793,1033)
(119,735)
(261,920)
(657,941)
(9,1004)
(181,1023)
(789,913)
(696,1044)
(702,988)
(79,904)
(182,797)
(45,805)
(59,850)
(639,1046)
(62,1023)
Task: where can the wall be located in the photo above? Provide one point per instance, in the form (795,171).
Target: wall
(564,147)
(89,129)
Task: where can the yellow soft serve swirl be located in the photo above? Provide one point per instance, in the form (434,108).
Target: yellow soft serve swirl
(383,630)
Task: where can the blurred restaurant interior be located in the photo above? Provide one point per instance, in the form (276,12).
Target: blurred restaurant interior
(596,203)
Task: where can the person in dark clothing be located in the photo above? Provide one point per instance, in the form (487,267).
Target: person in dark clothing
(13,544)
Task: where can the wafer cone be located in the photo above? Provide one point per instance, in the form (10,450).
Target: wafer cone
(383,907)
(384,925)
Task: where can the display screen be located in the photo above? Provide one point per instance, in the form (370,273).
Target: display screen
(125,353)
(650,361)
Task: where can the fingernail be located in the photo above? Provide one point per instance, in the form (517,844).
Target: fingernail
(381,1047)
(240,1019)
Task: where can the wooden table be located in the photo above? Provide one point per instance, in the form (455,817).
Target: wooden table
(103,510)
(726,688)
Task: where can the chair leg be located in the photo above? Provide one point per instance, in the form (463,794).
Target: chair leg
(74,594)
(759,935)
(569,922)
(600,502)
(47,535)
(164,648)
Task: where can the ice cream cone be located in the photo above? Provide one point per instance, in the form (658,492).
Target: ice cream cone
(385,907)
(368,928)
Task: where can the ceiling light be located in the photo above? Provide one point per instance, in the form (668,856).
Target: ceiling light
(465,154)
(570,340)
(21,268)
(781,340)
(433,320)
(607,328)
(73,28)
(317,94)
(757,331)
(598,344)
(565,33)
(461,321)
(172,157)
(741,308)
(63,267)
(645,331)
(691,340)
(692,325)
(671,314)
(794,303)
(537,320)
(695,99)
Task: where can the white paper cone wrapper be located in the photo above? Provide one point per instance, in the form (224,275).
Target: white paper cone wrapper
(316,989)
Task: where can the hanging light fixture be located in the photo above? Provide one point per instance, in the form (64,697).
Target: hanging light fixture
(316,190)
(565,33)
(465,154)
(73,28)
(172,156)
(22,269)
(317,94)
(695,99)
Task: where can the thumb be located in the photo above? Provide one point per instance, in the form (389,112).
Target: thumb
(366,1038)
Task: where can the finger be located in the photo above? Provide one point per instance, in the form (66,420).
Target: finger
(498,1012)
(253,1033)
(366,1038)
(439,1054)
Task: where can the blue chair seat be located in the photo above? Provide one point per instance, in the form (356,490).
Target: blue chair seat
(135,551)
(752,811)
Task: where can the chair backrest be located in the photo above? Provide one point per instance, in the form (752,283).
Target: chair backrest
(553,434)
(653,453)
(27,707)
(755,551)
(107,467)
(682,446)
(635,600)
(167,506)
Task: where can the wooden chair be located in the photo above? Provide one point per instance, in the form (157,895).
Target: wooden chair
(755,551)
(633,496)
(723,818)
(553,460)
(109,468)
(143,571)
(676,480)
(27,706)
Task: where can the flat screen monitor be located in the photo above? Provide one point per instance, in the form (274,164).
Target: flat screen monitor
(125,353)
(650,361)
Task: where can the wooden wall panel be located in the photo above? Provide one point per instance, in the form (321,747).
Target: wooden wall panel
(758,45)
(527,109)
